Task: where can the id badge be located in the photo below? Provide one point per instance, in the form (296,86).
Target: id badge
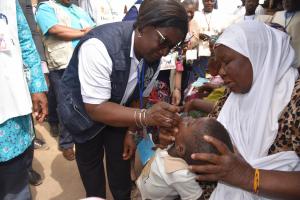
(191,54)
(204,48)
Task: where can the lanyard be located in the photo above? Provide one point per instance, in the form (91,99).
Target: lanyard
(207,22)
(286,22)
(140,80)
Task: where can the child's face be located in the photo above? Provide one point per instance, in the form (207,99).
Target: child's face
(186,127)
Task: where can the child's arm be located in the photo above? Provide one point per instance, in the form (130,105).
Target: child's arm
(199,104)
(176,95)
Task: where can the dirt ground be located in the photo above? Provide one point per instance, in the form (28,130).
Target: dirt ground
(61,180)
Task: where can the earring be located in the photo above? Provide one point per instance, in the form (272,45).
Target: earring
(139,33)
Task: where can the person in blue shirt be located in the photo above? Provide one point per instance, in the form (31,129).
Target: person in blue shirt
(62,24)
(22,81)
(133,12)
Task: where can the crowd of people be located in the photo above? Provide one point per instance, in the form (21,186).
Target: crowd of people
(106,82)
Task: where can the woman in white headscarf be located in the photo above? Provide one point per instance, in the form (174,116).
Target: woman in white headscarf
(261,113)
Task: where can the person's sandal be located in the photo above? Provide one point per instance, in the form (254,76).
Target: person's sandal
(39,144)
(68,154)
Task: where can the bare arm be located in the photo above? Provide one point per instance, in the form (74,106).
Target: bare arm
(234,170)
(275,184)
(178,76)
(113,114)
(176,96)
(282,185)
(66,33)
(199,104)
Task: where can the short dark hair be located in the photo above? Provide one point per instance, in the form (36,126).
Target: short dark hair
(196,144)
(188,2)
(162,13)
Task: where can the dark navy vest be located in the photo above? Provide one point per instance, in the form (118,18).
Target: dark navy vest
(117,39)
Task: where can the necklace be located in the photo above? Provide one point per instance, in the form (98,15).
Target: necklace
(207,22)
(286,22)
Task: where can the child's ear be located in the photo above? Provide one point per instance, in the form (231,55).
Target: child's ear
(180,150)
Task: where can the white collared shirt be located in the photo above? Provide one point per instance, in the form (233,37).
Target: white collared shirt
(160,183)
(95,68)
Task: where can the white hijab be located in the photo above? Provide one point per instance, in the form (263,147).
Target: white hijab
(252,118)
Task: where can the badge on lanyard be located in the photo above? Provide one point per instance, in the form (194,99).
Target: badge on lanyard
(191,54)
(204,48)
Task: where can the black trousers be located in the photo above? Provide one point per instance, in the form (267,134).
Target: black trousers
(89,158)
(14,183)
(65,137)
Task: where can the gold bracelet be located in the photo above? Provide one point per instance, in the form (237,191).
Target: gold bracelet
(145,117)
(256,181)
(143,112)
(135,119)
(140,119)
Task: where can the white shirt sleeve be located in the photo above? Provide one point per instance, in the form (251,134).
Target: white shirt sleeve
(186,186)
(94,69)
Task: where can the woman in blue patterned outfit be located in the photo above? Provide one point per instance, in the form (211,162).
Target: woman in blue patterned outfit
(22,87)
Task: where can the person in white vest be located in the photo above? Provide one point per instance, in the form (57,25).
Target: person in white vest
(101,11)
(290,20)
(212,22)
(261,114)
(62,25)
(22,87)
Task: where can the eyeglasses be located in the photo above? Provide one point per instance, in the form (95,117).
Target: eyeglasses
(165,43)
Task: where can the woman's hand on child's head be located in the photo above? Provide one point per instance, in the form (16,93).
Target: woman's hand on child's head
(228,167)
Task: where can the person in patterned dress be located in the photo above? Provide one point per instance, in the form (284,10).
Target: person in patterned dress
(260,110)
(261,113)
(22,87)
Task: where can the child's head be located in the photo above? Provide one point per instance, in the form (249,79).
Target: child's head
(190,137)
